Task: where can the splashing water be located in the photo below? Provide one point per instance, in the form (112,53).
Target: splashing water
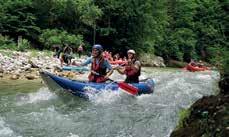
(109,114)
(41,95)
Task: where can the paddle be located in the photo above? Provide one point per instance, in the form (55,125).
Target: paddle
(127,88)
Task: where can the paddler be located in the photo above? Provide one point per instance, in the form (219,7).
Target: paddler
(132,69)
(100,67)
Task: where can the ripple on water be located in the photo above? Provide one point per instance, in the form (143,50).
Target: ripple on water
(5,131)
(106,97)
(41,95)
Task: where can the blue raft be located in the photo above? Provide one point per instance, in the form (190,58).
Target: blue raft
(75,68)
(82,88)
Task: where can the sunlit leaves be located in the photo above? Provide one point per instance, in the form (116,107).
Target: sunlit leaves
(59,37)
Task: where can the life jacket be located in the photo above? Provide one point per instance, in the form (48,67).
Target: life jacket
(132,76)
(97,67)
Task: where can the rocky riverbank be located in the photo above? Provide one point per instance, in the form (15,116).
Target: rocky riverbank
(208,116)
(16,65)
(26,65)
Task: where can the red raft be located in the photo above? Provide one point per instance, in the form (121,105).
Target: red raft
(191,68)
(118,62)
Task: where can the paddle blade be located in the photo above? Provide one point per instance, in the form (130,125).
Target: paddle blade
(128,88)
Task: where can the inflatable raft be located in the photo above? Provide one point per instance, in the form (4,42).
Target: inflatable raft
(195,68)
(118,62)
(83,88)
(75,68)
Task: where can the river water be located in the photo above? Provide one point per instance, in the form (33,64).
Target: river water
(30,109)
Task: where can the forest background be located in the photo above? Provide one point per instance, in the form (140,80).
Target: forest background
(173,29)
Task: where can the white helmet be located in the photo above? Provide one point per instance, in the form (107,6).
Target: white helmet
(131,51)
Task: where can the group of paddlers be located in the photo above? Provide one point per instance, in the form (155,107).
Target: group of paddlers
(101,69)
(66,54)
(108,55)
(196,66)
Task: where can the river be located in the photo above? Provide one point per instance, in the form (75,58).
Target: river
(30,109)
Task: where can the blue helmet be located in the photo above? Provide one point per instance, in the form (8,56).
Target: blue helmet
(98,47)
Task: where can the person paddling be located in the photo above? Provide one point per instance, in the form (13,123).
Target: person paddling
(66,56)
(132,69)
(99,65)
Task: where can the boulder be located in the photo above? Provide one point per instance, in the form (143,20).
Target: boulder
(14,77)
(1,70)
(152,61)
(30,77)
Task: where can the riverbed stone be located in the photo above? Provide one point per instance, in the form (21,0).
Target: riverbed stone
(30,77)
(1,70)
(152,61)
(14,77)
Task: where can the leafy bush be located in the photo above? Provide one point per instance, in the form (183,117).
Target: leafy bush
(183,114)
(23,44)
(51,37)
(7,43)
(219,56)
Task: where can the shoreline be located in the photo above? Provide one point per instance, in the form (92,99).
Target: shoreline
(25,65)
(16,65)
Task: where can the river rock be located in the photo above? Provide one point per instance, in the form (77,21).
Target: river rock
(17,63)
(30,77)
(14,77)
(152,61)
(1,70)
(33,65)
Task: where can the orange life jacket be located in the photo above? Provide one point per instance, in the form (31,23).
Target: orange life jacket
(97,67)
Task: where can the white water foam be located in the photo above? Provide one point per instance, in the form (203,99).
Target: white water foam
(203,77)
(105,97)
(42,95)
(144,97)
(4,130)
(72,135)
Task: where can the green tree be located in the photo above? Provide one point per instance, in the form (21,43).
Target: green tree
(52,37)
(210,26)
(17,18)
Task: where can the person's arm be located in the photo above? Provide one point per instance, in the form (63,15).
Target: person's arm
(121,70)
(109,67)
(109,73)
(88,61)
(137,65)
(132,70)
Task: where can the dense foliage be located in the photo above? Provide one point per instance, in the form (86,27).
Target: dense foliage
(173,29)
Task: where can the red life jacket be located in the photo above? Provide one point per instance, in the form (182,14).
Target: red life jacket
(98,69)
(132,75)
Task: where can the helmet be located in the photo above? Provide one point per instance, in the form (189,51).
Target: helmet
(98,47)
(131,51)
